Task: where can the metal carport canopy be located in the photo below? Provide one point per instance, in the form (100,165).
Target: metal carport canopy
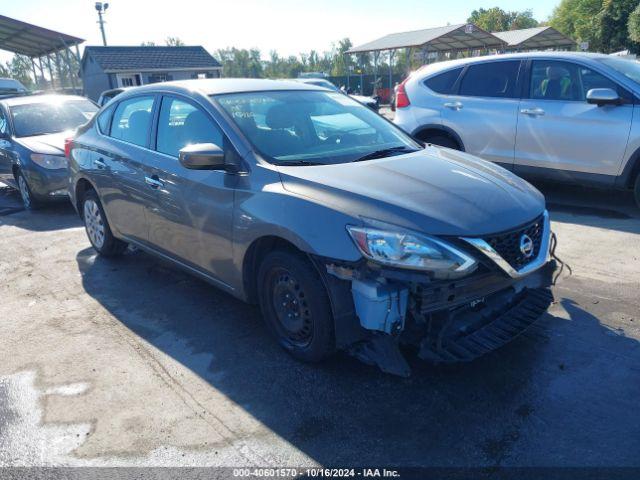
(31,40)
(535,38)
(440,39)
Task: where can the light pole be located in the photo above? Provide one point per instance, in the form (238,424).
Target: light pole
(101,8)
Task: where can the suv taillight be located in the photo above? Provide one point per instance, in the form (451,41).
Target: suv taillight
(68,144)
(402,99)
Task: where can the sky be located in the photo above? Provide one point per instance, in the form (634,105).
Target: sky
(288,26)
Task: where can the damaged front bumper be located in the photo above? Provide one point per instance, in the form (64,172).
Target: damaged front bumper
(376,309)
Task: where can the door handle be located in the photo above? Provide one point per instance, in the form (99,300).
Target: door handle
(453,105)
(532,111)
(100,164)
(154,182)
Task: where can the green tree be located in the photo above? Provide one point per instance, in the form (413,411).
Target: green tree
(174,42)
(240,63)
(612,23)
(602,23)
(497,20)
(19,67)
(633,25)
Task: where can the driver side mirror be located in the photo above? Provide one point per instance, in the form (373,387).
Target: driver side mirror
(603,96)
(202,156)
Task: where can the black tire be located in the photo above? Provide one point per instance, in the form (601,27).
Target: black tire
(309,335)
(636,190)
(95,221)
(29,201)
(443,141)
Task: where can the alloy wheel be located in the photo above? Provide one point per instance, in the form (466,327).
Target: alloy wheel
(94,223)
(24,191)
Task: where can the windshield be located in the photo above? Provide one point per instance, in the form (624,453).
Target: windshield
(50,117)
(312,127)
(628,68)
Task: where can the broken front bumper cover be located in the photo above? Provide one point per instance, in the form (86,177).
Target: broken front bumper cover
(448,321)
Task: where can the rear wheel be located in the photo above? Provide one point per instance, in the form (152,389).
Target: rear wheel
(295,305)
(636,190)
(97,227)
(28,200)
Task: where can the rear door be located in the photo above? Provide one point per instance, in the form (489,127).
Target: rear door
(483,110)
(191,216)
(121,167)
(559,132)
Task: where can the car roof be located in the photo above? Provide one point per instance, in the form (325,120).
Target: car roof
(220,86)
(436,67)
(27,99)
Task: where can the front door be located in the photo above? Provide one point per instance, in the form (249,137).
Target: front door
(559,130)
(484,110)
(191,218)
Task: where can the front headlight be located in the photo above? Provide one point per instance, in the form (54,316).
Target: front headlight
(413,251)
(51,162)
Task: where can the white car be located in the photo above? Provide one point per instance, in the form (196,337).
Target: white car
(564,116)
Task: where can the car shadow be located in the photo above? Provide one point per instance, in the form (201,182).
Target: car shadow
(342,412)
(52,216)
(614,210)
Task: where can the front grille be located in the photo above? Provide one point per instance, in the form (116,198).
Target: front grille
(508,244)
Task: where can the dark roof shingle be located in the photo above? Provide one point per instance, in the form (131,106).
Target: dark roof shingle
(151,58)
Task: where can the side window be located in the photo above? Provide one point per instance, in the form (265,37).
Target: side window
(104,120)
(591,79)
(553,80)
(4,124)
(132,119)
(493,79)
(181,124)
(444,82)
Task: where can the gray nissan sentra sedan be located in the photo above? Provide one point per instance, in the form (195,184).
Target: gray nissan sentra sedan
(346,232)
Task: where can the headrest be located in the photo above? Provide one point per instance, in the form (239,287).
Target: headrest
(279,116)
(139,118)
(197,121)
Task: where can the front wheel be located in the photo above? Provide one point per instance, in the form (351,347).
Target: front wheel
(28,200)
(295,305)
(636,190)
(97,227)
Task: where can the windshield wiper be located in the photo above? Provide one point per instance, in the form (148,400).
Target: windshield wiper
(296,163)
(385,152)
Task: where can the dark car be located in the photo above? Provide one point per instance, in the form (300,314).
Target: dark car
(33,130)
(346,232)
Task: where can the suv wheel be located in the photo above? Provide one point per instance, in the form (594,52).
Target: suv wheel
(636,190)
(443,141)
(29,202)
(295,305)
(97,227)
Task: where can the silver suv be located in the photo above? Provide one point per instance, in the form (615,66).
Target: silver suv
(564,116)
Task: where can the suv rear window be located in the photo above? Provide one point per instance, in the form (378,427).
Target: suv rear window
(444,82)
(494,79)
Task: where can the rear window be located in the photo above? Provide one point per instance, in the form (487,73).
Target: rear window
(495,79)
(444,82)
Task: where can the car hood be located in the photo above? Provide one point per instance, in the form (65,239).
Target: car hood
(363,99)
(436,190)
(51,144)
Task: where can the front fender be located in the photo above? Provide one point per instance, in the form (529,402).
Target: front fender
(313,228)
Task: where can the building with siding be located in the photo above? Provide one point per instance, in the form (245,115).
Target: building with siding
(104,68)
